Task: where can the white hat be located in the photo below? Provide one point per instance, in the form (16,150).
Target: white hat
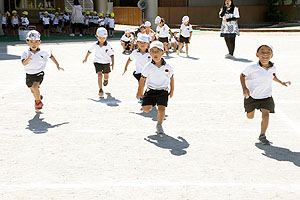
(127,30)
(268,45)
(33,35)
(185,19)
(157,44)
(143,38)
(101,32)
(147,23)
(157,20)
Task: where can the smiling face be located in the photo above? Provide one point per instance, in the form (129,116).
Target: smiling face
(156,54)
(264,54)
(101,39)
(33,44)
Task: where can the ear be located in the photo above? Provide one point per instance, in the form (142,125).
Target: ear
(256,54)
(272,55)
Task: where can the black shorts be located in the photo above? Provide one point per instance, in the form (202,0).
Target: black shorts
(4,26)
(85,26)
(66,23)
(137,76)
(163,39)
(46,26)
(111,29)
(31,78)
(15,26)
(184,39)
(55,25)
(103,68)
(251,104)
(156,97)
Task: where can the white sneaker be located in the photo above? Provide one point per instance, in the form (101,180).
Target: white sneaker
(228,56)
(80,35)
(72,34)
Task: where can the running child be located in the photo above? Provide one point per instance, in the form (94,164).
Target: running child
(127,41)
(104,58)
(163,31)
(256,81)
(186,31)
(34,61)
(159,78)
(149,31)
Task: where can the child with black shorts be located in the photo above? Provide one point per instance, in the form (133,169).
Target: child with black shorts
(15,22)
(163,31)
(104,58)
(186,31)
(4,22)
(127,41)
(159,78)
(34,61)
(46,23)
(256,81)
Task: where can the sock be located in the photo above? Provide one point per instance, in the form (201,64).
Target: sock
(159,123)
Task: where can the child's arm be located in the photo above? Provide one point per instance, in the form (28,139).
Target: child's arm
(246,92)
(57,65)
(141,87)
(171,87)
(86,57)
(112,61)
(279,81)
(191,36)
(126,66)
(26,61)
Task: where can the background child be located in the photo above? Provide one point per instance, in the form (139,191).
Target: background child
(256,81)
(34,61)
(127,41)
(46,23)
(163,31)
(67,22)
(158,76)
(149,31)
(104,58)
(186,31)
(4,22)
(15,23)
(24,19)
(56,22)
(111,24)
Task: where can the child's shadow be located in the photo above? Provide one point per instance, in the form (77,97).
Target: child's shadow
(151,114)
(241,59)
(38,126)
(279,153)
(109,100)
(175,145)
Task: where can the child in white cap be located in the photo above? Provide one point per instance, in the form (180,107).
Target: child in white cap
(140,55)
(186,31)
(127,41)
(256,81)
(104,58)
(159,78)
(149,31)
(46,21)
(34,61)
(163,31)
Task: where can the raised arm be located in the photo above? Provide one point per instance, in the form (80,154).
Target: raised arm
(279,81)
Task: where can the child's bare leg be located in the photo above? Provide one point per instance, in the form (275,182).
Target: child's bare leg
(36,91)
(100,80)
(187,48)
(250,115)
(147,108)
(264,121)
(106,76)
(166,46)
(161,113)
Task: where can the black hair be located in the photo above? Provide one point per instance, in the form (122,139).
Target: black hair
(232,6)
(76,2)
(264,45)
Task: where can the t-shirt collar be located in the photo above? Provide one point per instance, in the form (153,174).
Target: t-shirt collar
(163,62)
(104,44)
(271,65)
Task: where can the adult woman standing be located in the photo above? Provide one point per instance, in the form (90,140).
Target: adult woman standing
(77,18)
(229,29)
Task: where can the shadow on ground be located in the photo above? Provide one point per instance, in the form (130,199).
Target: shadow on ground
(38,126)
(151,114)
(280,154)
(240,59)
(176,146)
(109,100)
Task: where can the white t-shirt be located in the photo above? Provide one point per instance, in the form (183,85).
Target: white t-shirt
(56,20)
(124,38)
(106,20)
(24,21)
(111,22)
(46,20)
(3,20)
(52,16)
(101,21)
(259,80)
(158,78)
(66,17)
(37,62)
(41,15)
(15,20)
(163,31)
(186,30)
(140,60)
(95,19)
(102,54)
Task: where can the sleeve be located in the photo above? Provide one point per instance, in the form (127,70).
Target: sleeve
(167,27)
(91,49)
(191,28)
(110,51)
(247,71)
(132,56)
(145,72)
(171,71)
(24,55)
(181,27)
(222,12)
(122,38)
(236,13)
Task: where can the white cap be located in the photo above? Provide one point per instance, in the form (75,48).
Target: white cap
(268,45)
(127,30)
(147,23)
(143,38)
(157,20)
(185,19)
(33,35)
(157,44)
(101,32)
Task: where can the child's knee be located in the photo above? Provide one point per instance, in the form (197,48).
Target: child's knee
(250,115)
(161,108)
(146,108)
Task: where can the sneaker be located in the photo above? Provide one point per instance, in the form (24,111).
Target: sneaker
(178,52)
(101,93)
(72,34)
(159,130)
(38,105)
(228,56)
(41,97)
(263,140)
(105,82)
(167,53)
(80,35)
(187,55)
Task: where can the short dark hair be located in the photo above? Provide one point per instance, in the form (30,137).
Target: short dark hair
(76,2)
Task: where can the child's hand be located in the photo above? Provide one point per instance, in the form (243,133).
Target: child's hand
(138,95)
(171,93)
(246,92)
(29,57)
(286,83)
(60,68)
(84,60)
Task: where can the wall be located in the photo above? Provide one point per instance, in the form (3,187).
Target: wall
(220,2)
(128,15)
